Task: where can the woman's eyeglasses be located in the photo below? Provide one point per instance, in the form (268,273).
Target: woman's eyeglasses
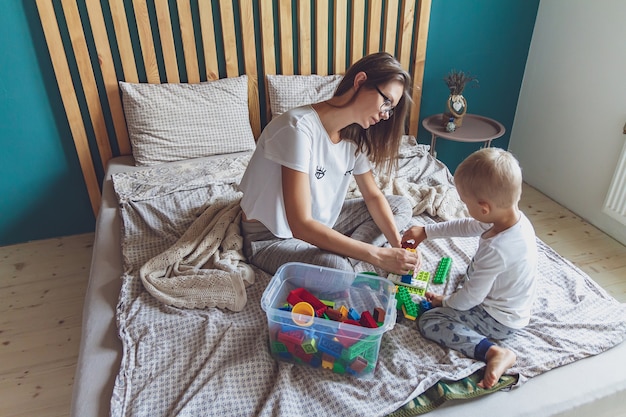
(386,107)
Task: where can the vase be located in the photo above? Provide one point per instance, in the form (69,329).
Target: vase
(456,107)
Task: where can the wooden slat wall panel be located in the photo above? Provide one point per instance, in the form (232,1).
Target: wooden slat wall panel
(407,25)
(164,21)
(189,41)
(285,14)
(147,42)
(358,30)
(267,35)
(341,36)
(208,40)
(70,102)
(420,40)
(321,27)
(268,41)
(229,36)
(138,43)
(85,69)
(374,28)
(124,43)
(391,26)
(109,76)
(304,38)
(249,49)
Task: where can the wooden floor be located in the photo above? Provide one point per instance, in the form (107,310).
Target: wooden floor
(42,285)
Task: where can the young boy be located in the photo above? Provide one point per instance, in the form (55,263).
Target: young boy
(498,290)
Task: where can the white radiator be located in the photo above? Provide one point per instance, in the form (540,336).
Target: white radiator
(615,203)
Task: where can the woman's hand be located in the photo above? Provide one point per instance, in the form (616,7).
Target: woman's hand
(398,260)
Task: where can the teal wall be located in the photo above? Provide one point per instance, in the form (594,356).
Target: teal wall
(489,39)
(42,193)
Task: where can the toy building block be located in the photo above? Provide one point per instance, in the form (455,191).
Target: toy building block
(301,294)
(359,364)
(339,368)
(443,270)
(353,314)
(295,337)
(315,361)
(379,315)
(278,347)
(310,345)
(333,314)
(344,312)
(327,361)
(330,347)
(407,278)
(358,349)
(425,306)
(302,355)
(418,285)
(367,320)
(405,303)
(353,322)
(347,338)
(410,311)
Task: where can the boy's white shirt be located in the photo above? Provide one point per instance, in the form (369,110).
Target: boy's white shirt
(502,274)
(297,139)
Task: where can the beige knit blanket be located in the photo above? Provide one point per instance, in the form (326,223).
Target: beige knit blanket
(437,200)
(206,266)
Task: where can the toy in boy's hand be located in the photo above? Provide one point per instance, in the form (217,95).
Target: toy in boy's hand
(409,244)
(414,236)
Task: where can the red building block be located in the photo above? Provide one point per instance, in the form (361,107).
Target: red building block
(301,294)
(367,320)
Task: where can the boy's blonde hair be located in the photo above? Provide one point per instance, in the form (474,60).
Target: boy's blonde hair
(492,175)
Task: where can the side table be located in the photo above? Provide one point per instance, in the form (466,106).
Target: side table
(475,128)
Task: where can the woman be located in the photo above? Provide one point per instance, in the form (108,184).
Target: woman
(295,185)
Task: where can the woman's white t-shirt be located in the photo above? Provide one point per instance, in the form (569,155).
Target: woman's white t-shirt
(297,139)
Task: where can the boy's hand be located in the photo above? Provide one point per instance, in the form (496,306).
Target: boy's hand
(436,300)
(417,234)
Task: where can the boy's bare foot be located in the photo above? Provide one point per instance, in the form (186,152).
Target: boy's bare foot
(499,360)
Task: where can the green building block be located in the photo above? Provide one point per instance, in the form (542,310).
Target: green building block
(310,346)
(418,285)
(278,347)
(443,270)
(405,303)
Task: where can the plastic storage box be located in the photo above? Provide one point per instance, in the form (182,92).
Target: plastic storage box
(321,342)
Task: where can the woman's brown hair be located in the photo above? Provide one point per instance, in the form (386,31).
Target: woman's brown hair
(381,142)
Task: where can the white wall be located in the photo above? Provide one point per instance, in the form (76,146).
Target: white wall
(571,112)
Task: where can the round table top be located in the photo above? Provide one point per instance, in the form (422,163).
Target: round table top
(475,128)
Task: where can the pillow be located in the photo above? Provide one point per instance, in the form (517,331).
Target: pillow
(289,91)
(170,122)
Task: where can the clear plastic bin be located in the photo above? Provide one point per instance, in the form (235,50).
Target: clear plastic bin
(321,342)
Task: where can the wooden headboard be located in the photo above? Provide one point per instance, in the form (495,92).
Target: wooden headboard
(93,44)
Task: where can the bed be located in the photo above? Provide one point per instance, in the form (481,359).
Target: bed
(210,74)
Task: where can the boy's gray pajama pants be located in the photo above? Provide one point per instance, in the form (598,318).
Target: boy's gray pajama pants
(468,332)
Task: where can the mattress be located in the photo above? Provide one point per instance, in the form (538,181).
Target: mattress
(592,384)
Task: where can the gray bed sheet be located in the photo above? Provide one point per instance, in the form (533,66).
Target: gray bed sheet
(596,384)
